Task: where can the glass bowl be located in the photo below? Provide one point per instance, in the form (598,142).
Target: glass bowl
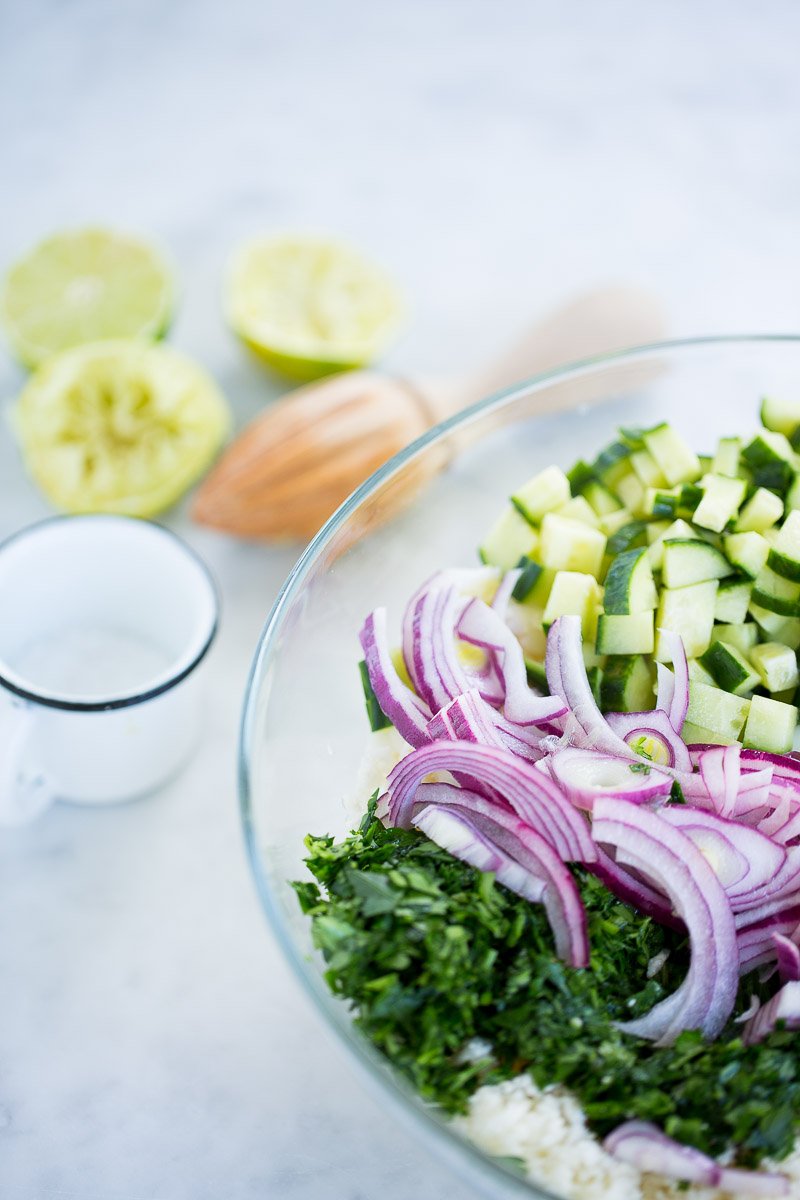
(304,729)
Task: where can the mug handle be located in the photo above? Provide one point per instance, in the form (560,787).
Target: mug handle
(24,792)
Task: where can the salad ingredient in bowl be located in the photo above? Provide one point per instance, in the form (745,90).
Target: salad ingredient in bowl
(578,891)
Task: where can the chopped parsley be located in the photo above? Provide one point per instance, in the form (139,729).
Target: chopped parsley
(432,954)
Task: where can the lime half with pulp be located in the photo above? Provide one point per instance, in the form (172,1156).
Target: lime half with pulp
(119,427)
(82,285)
(310,306)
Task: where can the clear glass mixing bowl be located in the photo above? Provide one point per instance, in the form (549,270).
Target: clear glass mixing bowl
(304,729)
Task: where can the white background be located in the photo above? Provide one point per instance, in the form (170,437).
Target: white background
(497,157)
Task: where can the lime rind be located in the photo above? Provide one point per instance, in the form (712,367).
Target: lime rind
(84,285)
(119,426)
(309,305)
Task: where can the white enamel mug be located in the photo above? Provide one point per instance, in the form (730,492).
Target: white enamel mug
(104,622)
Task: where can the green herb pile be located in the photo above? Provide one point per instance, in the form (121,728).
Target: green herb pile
(433,954)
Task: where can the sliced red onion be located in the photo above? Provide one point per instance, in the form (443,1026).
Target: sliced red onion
(405,710)
(473,720)
(586,774)
(656,725)
(566,676)
(673,686)
(633,891)
(481,626)
(752,1183)
(777,894)
(720,768)
(503,593)
(706,997)
(788,956)
(785,765)
(457,834)
(520,842)
(743,859)
(784,1006)
(534,797)
(644,1146)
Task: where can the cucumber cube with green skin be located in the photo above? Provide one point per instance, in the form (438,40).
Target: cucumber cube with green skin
(747,552)
(689,612)
(726,460)
(545,492)
(689,560)
(529,574)
(569,545)
(720,712)
(698,673)
(781,416)
(770,725)
(678,463)
(722,498)
(612,464)
(730,669)
(743,636)
(614,523)
(579,476)
(627,685)
(662,502)
(776,594)
(647,470)
(602,499)
(629,585)
(657,529)
(631,493)
(784,555)
(763,510)
(575,594)
(793,494)
(776,666)
(732,600)
(632,634)
(777,628)
(696,735)
(580,510)
(674,531)
(508,540)
(771,460)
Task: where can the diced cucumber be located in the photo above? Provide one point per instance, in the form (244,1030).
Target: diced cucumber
(760,512)
(574,594)
(629,585)
(530,572)
(631,534)
(699,674)
(612,464)
(613,523)
(580,476)
(594,676)
(743,636)
(399,664)
(688,611)
(631,634)
(537,674)
(730,669)
(793,494)
(732,600)
(781,416)
(778,629)
(746,551)
(508,540)
(579,509)
(662,502)
(720,712)
(601,498)
(696,735)
(770,725)
(688,561)
(771,460)
(675,531)
(627,685)
(678,463)
(631,493)
(545,492)
(656,529)
(776,594)
(722,498)
(648,472)
(568,545)
(776,665)
(726,460)
(784,556)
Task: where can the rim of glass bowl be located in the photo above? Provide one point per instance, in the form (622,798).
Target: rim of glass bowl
(407,1103)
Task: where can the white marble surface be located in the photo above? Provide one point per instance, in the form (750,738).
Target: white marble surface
(496,157)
